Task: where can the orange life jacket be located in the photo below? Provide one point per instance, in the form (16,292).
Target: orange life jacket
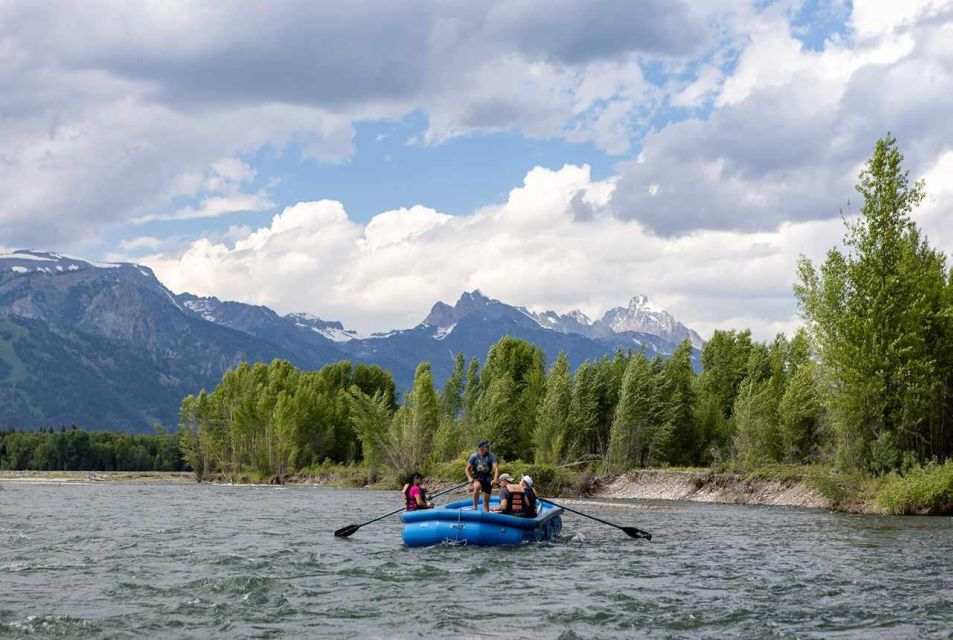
(516,503)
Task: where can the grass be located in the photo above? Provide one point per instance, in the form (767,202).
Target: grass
(926,489)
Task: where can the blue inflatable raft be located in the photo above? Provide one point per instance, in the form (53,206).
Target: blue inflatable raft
(457,522)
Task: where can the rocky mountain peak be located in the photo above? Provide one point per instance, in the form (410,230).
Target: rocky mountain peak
(443,315)
(579,317)
(642,315)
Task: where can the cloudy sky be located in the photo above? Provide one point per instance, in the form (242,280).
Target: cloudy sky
(362,160)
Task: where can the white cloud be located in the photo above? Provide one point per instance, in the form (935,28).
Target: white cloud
(113,109)
(532,249)
(792,126)
(214,207)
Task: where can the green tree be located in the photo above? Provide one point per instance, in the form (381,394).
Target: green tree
(472,392)
(724,361)
(879,311)
(520,368)
(422,416)
(801,415)
(584,410)
(636,416)
(756,411)
(451,400)
(552,425)
(677,440)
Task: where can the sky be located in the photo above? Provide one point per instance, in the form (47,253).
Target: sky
(360,161)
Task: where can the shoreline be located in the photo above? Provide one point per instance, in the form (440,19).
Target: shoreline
(678,486)
(799,487)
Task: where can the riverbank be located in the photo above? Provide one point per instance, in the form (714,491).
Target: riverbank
(923,491)
(706,486)
(93,477)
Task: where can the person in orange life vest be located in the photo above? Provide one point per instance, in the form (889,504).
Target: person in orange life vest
(415,497)
(517,499)
(482,471)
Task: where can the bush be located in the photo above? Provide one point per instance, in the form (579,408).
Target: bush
(926,489)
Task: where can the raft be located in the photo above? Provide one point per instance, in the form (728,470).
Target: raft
(457,522)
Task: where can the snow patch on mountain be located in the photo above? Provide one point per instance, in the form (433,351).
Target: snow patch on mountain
(332,330)
(443,332)
(203,307)
(644,316)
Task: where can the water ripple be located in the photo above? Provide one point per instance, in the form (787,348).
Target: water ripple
(126,561)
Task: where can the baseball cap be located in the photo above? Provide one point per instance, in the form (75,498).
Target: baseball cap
(484,443)
(505,477)
(528,481)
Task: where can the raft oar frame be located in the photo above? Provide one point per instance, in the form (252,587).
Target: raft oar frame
(351,529)
(632,532)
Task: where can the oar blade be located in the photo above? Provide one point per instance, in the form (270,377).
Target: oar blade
(636,533)
(346,531)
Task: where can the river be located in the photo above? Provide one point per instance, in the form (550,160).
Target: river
(118,560)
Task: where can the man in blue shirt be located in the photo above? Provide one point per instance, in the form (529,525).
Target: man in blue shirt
(482,472)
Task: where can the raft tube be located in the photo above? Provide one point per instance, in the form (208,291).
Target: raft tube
(457,522)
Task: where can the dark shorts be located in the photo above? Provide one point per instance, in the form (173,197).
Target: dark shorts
(486,483)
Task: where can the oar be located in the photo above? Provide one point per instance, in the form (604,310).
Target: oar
(632,532)
(351,528)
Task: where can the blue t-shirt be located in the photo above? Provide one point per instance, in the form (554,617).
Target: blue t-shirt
(482,465)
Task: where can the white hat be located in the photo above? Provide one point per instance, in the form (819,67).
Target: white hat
(528,481)
(505,477)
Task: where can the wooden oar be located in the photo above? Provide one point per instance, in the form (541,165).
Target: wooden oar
(632,532)
(352,528)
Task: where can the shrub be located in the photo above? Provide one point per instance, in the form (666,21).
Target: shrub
(926,489)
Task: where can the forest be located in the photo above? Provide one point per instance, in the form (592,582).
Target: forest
(78,450)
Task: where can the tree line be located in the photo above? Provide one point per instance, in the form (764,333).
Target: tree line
(77,450)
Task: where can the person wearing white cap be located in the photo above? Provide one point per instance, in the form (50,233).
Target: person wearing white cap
(516,499)
(529,497)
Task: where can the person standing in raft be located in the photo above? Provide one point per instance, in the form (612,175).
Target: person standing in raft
(482,472)
(415,497)
(517,499)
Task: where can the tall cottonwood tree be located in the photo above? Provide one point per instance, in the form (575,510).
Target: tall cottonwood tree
(880,312)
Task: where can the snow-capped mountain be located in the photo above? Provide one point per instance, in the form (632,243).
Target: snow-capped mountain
(107,345)
(644,316)
(330,329)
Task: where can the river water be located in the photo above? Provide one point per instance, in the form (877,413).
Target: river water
(118,560)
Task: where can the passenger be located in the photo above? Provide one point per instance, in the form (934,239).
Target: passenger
(529,497)
(482,472)
(517,499)
(415,496)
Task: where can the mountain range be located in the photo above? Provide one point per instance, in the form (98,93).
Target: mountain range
(106,345)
